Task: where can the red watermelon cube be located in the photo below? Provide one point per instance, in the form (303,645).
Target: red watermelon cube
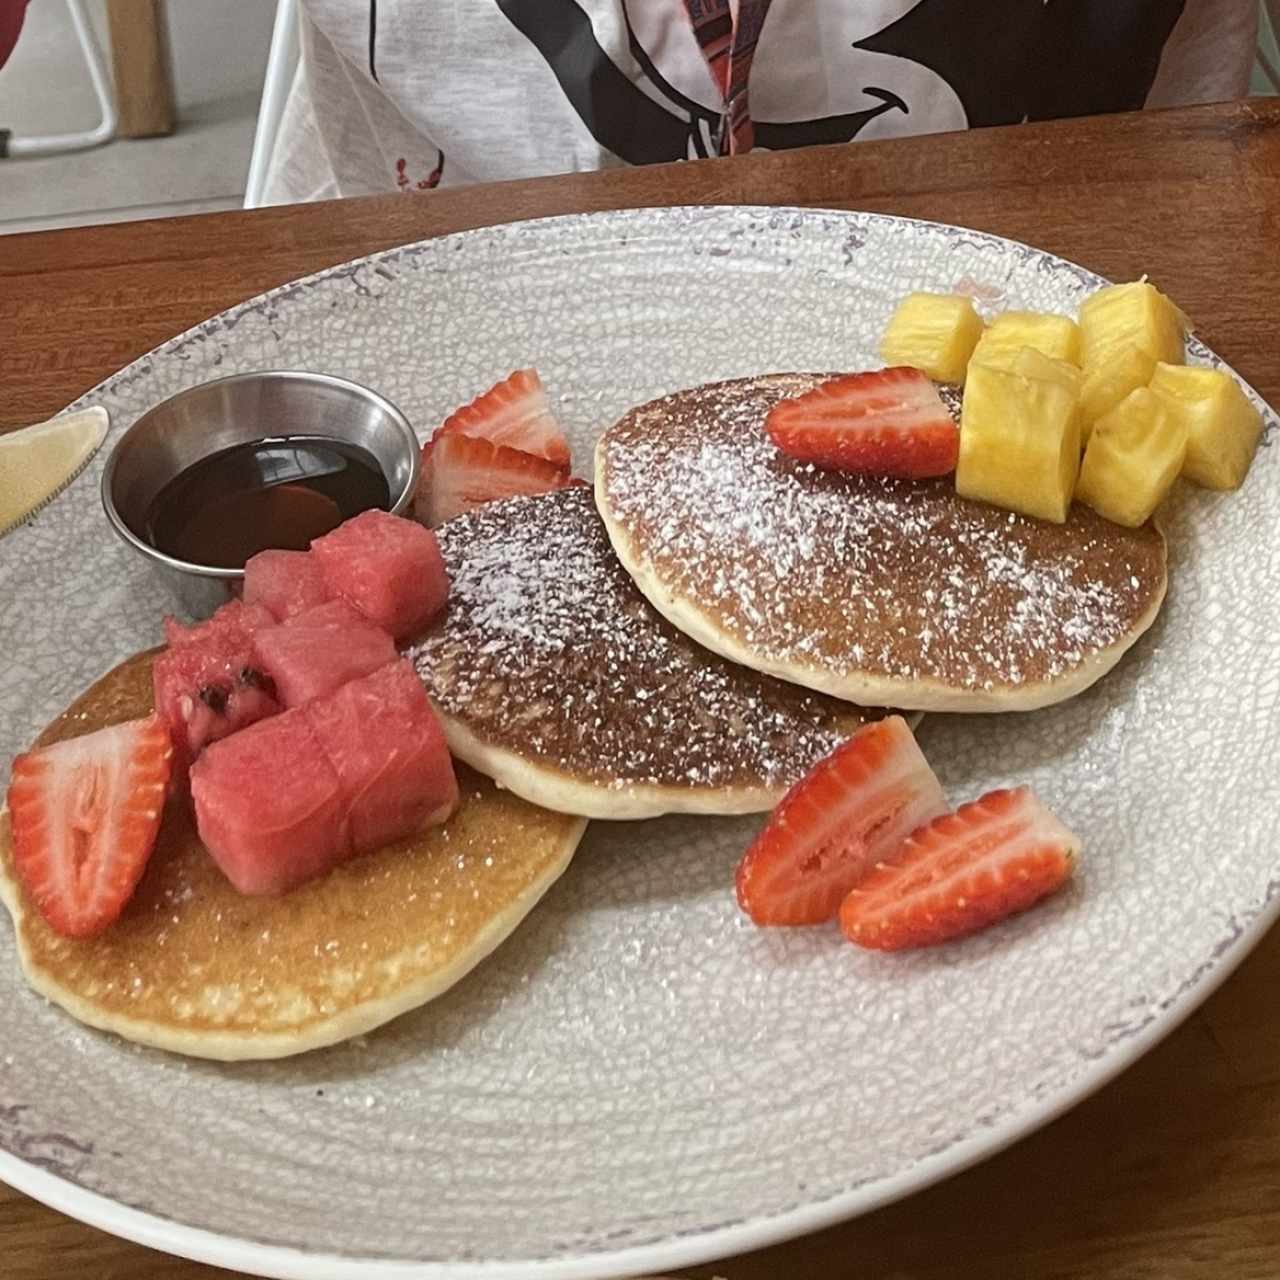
(207,689)
(235,622)
(304,661)
(333,613)
(389,752)
(270,807)
(387,567)
(284,582)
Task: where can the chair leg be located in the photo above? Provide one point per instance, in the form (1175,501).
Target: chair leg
(275,92)
(104,131)
(144,87)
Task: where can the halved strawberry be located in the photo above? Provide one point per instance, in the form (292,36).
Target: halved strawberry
(962,872)
(891,422)
(84,814)
(460,473)
(514,412)
(850,811)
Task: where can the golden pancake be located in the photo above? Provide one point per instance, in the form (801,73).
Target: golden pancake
(554,675)
(886,592)
(194,967)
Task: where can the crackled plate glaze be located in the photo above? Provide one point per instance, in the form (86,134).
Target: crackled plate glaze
(639,1078)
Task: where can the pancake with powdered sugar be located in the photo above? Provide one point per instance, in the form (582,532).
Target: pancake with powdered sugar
(553,674)
(890,592)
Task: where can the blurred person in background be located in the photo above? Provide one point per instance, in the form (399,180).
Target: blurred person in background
(405,95)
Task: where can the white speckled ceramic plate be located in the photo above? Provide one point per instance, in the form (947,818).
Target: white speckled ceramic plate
(640,1078)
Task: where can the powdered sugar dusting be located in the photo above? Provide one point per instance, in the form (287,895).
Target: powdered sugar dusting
(863,575)
(547,649)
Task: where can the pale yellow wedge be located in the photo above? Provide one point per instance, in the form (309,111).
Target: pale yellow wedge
(36,462)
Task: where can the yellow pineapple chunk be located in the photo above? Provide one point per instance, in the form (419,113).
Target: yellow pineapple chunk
(1133,458)
(933,332)
(1108,382)
(1020,435)
(1136,315)
(1223,427)
(1032,364)
(1054,336)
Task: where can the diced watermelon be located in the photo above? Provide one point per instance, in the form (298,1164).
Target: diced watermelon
(235,622)
(390,755)
(284,582)
(292,797)
(207,689)
(333,613)
(305,662)
(387,567)
(269,806)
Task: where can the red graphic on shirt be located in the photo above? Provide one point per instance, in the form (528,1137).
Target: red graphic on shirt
(406,183)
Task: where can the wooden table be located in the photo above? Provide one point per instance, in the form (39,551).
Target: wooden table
(1171,1171)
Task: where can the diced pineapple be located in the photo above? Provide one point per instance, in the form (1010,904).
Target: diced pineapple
(1223,427)
(1108,382)
(1054,336)
(1020,435)
(1136,315)
(933,332)
(1032,364)
(1133,458)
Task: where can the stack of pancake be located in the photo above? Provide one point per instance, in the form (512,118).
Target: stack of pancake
(718,616)
(691,636)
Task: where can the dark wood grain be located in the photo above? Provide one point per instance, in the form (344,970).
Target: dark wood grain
(1173,1170)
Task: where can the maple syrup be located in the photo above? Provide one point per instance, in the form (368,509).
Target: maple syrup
(278,492)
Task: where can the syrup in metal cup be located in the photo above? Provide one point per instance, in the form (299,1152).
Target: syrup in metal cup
(225,469)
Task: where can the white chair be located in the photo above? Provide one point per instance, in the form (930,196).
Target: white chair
(13,145)
(281,62)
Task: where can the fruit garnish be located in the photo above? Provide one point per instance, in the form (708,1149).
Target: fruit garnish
(208,688)
(1020,434)
(1223,425)
(961,872)
(1135,314)
(462,473)
(933,332)
(852,810)
(1134,455)
(514,412)
(39,461)
(1106,383)
(387,567)
(889,422)
(84,814)
(1057,337)
(284,583)
(1124,330)
(233,622)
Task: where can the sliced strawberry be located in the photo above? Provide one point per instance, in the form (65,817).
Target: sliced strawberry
(514,412)
(850,811)
(962,872)
(891,422)
(462,473)
(85,813)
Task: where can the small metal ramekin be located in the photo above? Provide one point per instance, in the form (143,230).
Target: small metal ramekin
(241,409)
